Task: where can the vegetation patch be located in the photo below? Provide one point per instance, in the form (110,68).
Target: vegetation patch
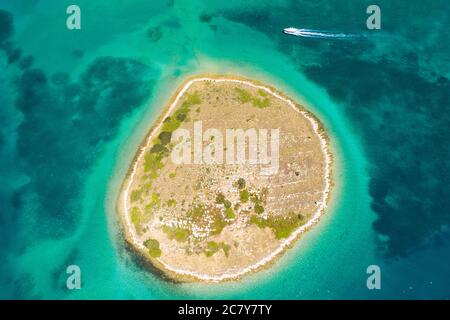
(152,164)
(220,199)
(207,217)
(281,226)
(212,247)
(155,201)
(171,203)
(136,195)
(153,160)
(218,221)
(152,246)
(229,213)
(177,233)
(136,217)
(259,208)
(244,96)
(244,195)
(262,93)
(259,200)
(240,183)
(165,137)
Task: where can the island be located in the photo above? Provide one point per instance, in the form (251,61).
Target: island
(227,178)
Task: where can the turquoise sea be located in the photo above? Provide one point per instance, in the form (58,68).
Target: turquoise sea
(75,104)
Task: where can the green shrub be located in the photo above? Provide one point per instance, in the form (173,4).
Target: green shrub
(225,248)
(229,213)
(155,201)
(220,198)
(262,93)
(170,124)
(165,137)
(244,195)
(227,204)
(259,208)
(193,99)
(282,226)
(217,224)
(171,202)
(153,247)
(261,103)
(159,148)
(181,117)
(136,195)
(136,216)
(240,183)
(243,95)
(212,247)
(177,233)
(153,162)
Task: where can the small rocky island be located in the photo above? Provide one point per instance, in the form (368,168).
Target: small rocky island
(227,178)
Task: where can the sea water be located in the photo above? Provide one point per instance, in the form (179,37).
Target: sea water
(75,105)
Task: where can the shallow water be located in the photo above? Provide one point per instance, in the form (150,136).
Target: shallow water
(75,105)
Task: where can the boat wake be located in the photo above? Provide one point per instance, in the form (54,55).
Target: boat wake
(320,34)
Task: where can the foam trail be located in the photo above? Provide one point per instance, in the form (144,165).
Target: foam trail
(320,34)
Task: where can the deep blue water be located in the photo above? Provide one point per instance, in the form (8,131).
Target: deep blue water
(75,104)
